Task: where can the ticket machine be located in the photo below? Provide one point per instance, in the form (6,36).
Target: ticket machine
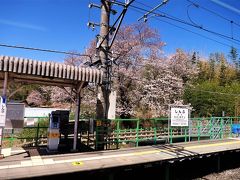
(53,131)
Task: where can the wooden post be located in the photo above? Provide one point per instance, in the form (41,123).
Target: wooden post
(5,84)
(77,112)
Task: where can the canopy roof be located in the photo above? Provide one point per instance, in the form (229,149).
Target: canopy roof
(48,73)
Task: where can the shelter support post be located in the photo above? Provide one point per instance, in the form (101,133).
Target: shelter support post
(77,114)
(5,84)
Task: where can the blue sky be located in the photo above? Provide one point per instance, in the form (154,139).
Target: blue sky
(62,25)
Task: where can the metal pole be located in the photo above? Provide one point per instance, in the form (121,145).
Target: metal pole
(77,111)
(169,116)
(4,99)
(189,124)
(137,139)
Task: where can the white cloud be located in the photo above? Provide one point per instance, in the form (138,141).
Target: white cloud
(22,25)
(226,6)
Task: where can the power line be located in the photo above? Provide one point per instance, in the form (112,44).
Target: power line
(214,92)
(151,11)
(43,50)
(224,44)
(213,12)
(206,37)
(167,16)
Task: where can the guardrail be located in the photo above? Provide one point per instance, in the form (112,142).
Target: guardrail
(157,130)
(34,135)
(118,132)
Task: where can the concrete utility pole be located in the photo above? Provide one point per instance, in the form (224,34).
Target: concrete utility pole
(103,53)
(103,100)
(103,47)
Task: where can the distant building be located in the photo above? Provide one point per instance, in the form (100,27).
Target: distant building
(39,112)
(32,115)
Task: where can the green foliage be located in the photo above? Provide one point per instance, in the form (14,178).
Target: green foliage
(20,93)
(86,111)
(212,69)
(210,99)
(31,133)
(233,55)
(222,76)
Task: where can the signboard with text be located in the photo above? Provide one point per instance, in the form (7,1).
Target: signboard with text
(3,112)
(179,117)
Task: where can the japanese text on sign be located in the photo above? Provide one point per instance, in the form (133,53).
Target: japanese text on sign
(179,117)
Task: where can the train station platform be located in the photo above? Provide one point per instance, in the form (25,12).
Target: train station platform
(28,163)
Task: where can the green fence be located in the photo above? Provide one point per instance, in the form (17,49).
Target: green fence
(34,135)
(121,132)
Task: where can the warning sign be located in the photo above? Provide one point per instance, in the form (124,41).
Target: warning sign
(179,117)
(53,135)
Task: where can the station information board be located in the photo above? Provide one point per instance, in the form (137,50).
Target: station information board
(179,117)
(3,112)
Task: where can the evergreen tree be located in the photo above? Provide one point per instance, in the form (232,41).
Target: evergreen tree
(194,58)
(234,57)
(222,76)
(212,64)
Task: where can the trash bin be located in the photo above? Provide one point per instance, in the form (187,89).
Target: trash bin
(236,129)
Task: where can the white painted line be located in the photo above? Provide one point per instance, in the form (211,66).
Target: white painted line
(6,152)
(18,151)
(3,167)
(37,160)
(26,163)
(48,161)
(37,163)
(36,157)
(94,158)
(14,166)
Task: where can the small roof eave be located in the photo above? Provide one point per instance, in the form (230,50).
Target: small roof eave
(30,70)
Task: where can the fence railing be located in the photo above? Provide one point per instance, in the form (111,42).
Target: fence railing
(33,135)
(129,132)
(135,131)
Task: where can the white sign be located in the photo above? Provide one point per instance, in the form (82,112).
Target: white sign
(3,112)
(179,117)
(1,134)
(31,121)
(112,105)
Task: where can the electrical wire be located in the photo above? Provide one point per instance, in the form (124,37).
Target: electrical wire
(214,92)
(43,50)
(188,15)
(167,16)
(203,36)
(213,12)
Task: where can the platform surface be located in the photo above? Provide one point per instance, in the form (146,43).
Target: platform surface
(22,163)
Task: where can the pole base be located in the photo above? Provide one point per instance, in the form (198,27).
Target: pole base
(74,150)
(1,156)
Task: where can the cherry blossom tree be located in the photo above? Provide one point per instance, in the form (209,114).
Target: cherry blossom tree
(134,45)
(159,87)
(145,80)
(182,65)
